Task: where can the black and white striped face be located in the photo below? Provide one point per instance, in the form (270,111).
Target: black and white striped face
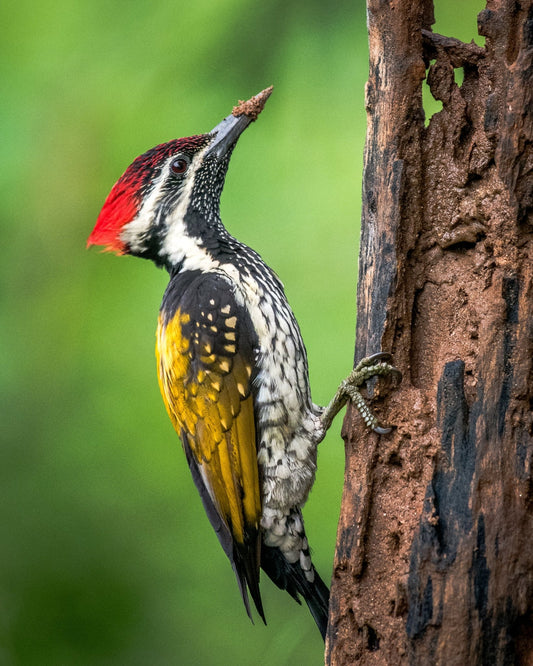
(165,207)
(159,230)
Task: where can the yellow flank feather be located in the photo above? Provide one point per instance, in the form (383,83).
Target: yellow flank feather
(208,399)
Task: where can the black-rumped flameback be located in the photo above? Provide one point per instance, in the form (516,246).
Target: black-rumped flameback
(230,358)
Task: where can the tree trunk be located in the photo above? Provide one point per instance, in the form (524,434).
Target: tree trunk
(434,560)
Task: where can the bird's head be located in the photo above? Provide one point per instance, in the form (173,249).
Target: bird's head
(165,206)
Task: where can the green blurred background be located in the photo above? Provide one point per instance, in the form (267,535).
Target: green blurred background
(106,556)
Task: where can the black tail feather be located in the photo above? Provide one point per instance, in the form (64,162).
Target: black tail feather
(291,577)
(248,578)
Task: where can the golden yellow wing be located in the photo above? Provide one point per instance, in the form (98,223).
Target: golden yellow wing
(205,363)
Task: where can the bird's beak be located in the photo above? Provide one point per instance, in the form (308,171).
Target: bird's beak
(229,130)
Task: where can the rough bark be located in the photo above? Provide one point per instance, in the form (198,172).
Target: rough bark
(434,560)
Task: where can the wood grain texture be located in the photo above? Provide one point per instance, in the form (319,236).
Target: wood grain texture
(434,560)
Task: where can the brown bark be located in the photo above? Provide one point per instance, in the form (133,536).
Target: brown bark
(434,560)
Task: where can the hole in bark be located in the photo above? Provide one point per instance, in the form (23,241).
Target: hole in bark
(372,640)
(461,247)
(430,104)
(394,541)
(394,459)
(472,178)
(457,20)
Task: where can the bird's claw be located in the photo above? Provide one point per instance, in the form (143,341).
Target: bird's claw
(375,358)
(376,365)
(380,430)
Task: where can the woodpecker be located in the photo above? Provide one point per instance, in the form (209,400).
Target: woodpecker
(231,362)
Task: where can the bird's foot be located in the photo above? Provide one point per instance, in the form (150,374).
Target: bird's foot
(377,365)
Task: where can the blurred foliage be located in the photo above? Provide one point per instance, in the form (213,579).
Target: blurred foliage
(106,555)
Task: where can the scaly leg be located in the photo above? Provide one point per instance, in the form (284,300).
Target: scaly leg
(377,365)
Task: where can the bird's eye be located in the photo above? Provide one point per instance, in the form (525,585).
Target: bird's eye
(179,165)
